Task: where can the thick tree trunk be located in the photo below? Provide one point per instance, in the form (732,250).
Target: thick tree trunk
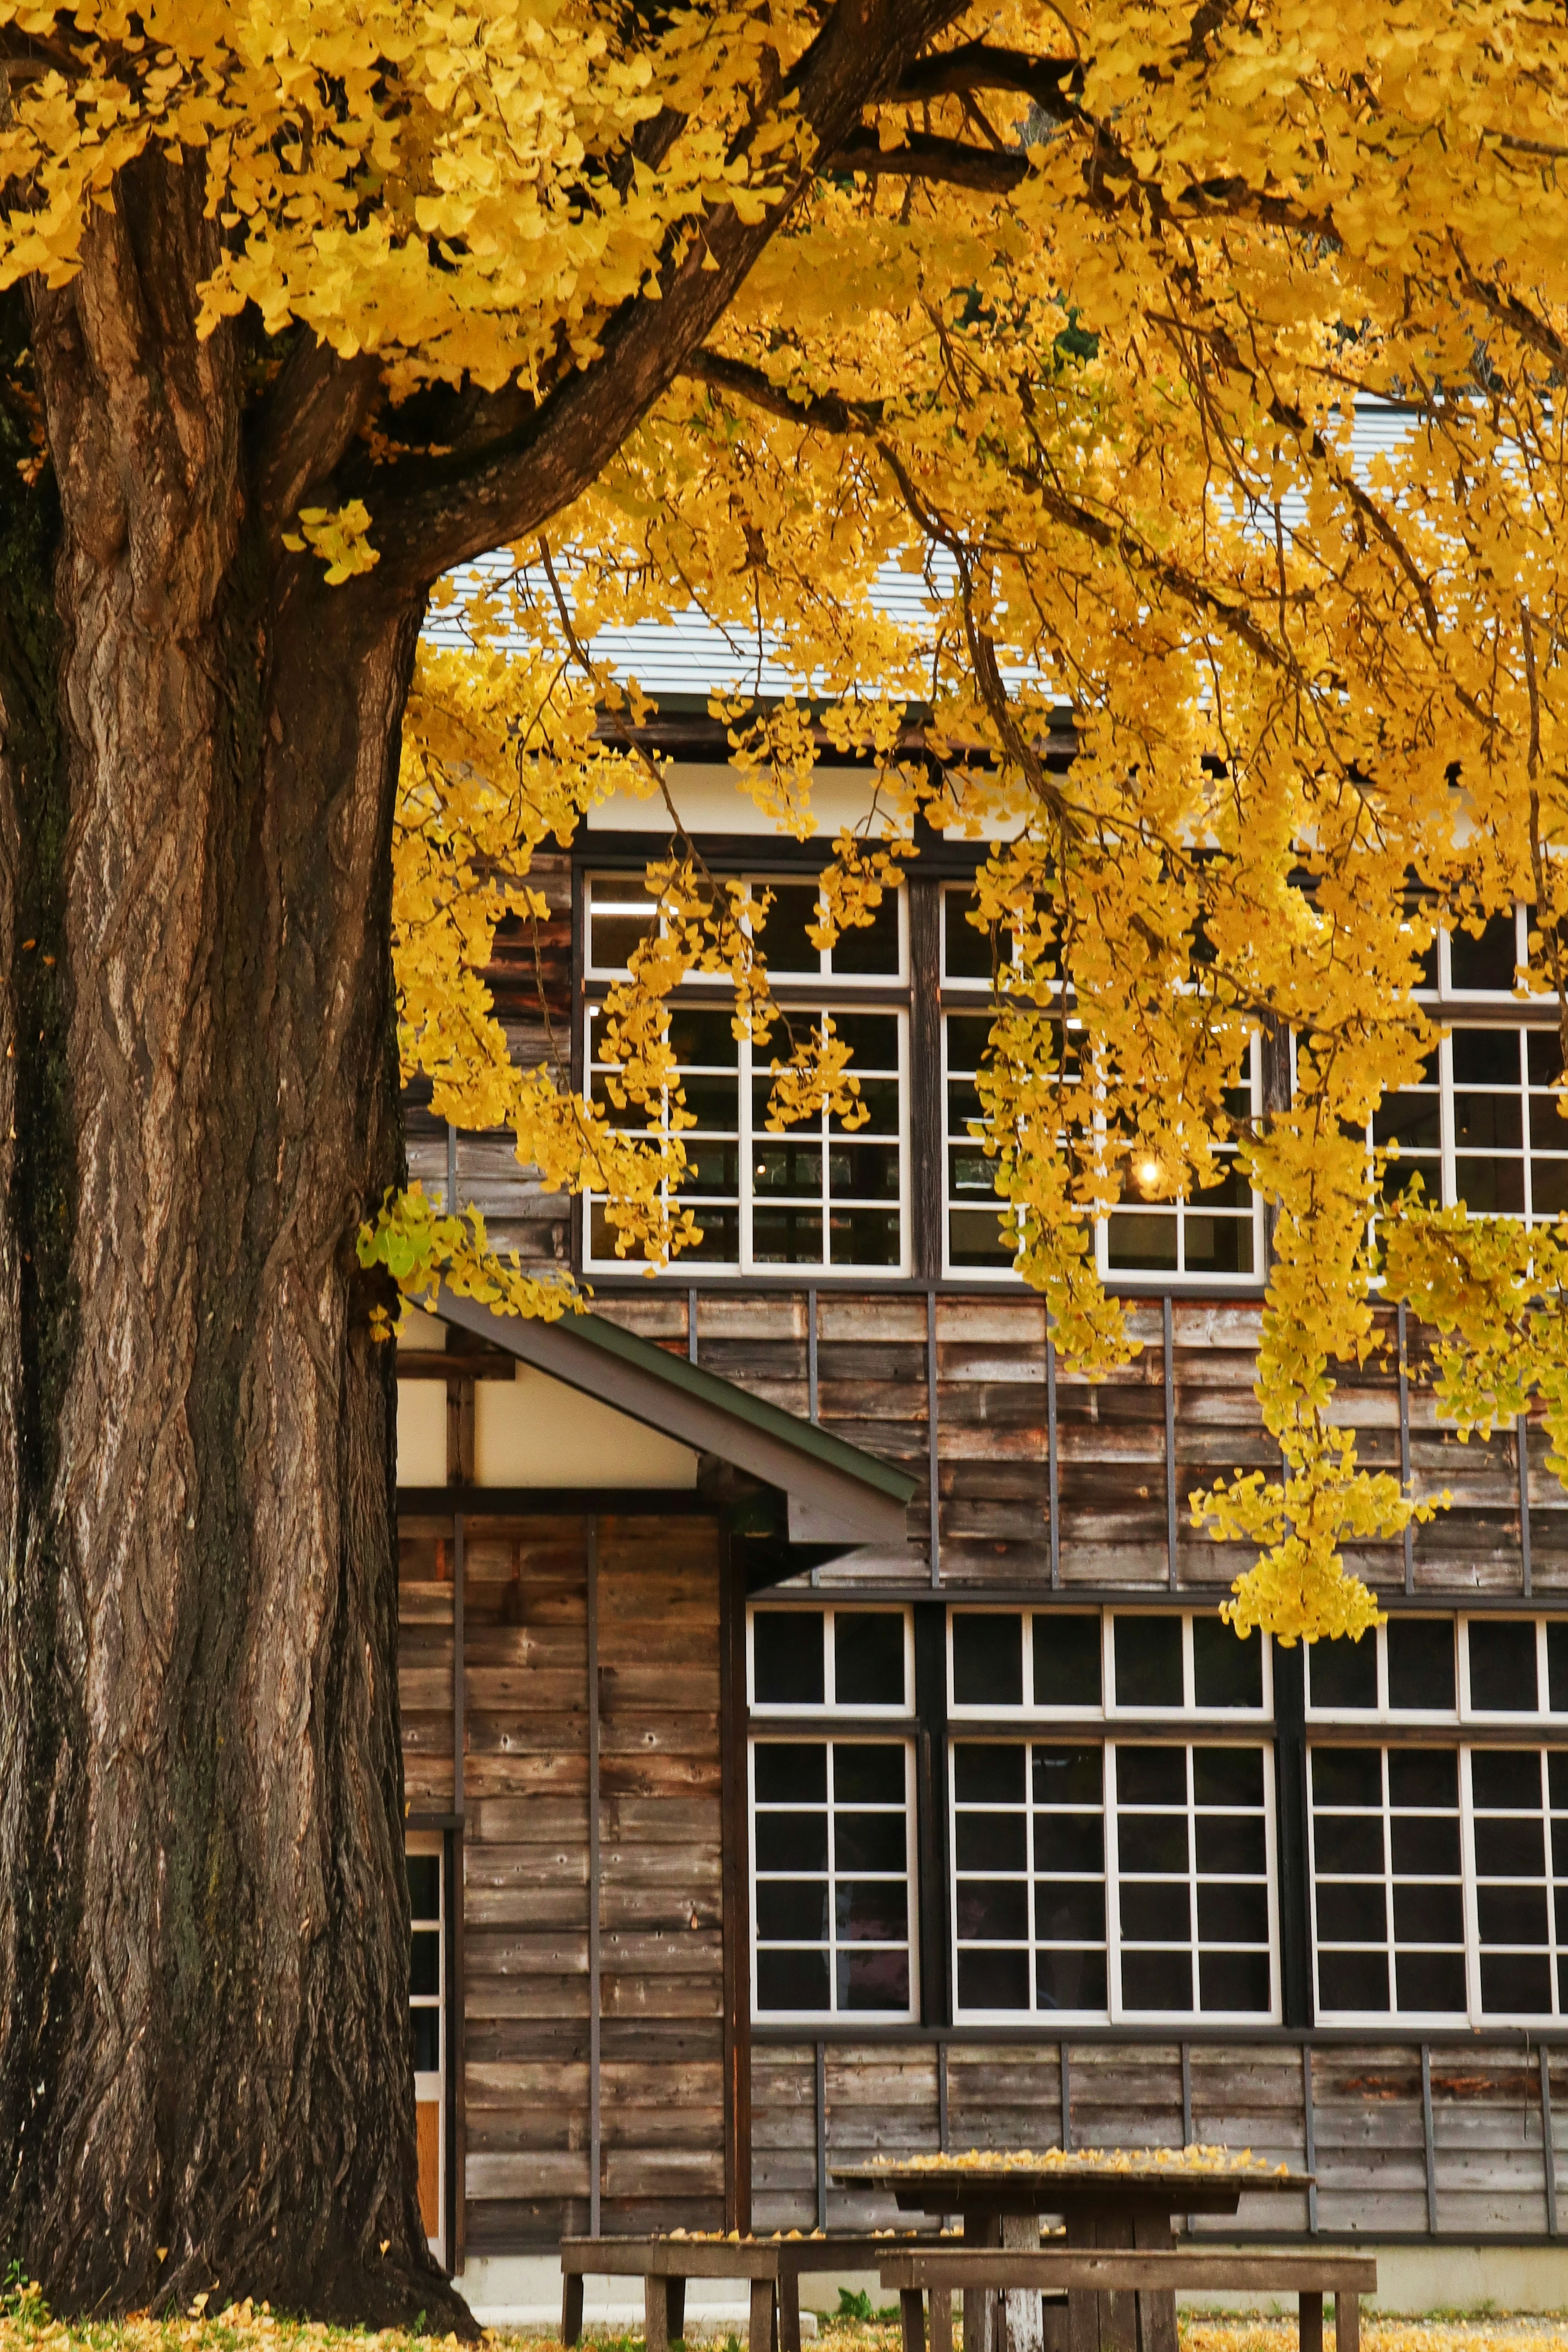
(205,2067)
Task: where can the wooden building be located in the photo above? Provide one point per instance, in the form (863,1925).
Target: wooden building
(819,1735)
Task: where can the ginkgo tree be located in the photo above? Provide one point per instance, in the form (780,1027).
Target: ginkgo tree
(311,304)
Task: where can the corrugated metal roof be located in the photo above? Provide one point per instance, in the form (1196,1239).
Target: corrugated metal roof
(691,656)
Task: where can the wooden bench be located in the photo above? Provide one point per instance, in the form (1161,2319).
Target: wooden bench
(772,2265)
(1100,2282)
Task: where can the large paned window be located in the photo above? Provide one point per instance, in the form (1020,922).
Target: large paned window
(828,1194)
(1110,1865)
(1483,1126)
(1214,1237)
(831,1813)
(1440,1866)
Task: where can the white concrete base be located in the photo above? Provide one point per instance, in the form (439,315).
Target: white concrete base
(1415,2279)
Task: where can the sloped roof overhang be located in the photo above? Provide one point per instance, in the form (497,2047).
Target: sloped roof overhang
(837,1494)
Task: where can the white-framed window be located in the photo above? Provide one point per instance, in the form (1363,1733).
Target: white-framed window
(833,1810)
(833,1877)
(1103,1664)
(1483,1125)
(1214,1238)
(424,1855)
(1113,1881)
(823,1195)
(1442,1670)
(855,1658)
(1440,1882)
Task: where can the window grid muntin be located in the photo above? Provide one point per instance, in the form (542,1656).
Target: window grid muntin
(833,1945)
(1116,2010)
(812,1711)
(1109,1710)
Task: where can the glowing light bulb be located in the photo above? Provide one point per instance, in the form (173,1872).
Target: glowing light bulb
(1149,1172)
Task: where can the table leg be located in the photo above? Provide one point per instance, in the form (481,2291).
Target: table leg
(1347,2320)
(1156,2305)
(571,2306)
(675,2311)
(1311,2321)
(913,2318)
(980,2303)
(1021,2325)
(942,2319)
(789,2309)
(760,2327)
(656,2315)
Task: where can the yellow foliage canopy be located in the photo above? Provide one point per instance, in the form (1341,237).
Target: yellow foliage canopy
(1068,312)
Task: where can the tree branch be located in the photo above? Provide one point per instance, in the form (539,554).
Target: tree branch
(950,73)
(828,410)
(312,416)
(438,513)
(953,163)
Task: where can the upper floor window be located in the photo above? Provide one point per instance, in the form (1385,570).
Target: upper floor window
(806,1661)
(825,1194)
(1483,1125)
(1215,1236)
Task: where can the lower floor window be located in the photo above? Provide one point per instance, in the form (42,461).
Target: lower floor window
(1440,1881)
(427,2023)
(1122,1879)
(832,1840)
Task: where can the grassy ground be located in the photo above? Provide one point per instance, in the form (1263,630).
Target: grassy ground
(26,2326)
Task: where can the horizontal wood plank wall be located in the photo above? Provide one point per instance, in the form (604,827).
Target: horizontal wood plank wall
(526,1862)
(993,1441)
(882,2099)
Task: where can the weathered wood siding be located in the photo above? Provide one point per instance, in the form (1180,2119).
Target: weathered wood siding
(1370,2138)
(994,1454)
(526,1993)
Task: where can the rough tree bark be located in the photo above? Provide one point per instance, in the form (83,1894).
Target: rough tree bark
(205,2062)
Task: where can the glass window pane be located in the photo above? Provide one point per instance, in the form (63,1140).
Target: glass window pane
(1156,1980)
(987,1772)
(425,2032)
(425,1961)
(1429,1981)
(967,951)
(792,1980)
(1067,1660)
(790,1842)
(789,1772)
(868,1657)
(425,1885)
(1487,961)
(791,1910)
(1148,1652)
(868,1773)
(992,1979)
(986,1841)
(1342,1674)
(1068,1776)
(787,1657)
(1152,1776)
(1502,1666)
(1353,1980)
(1234,1981)
(1070,1979)
(992,1911)
(987,1659)
(1421,1662)
(1226,1671)
(869,948)
(873,1979)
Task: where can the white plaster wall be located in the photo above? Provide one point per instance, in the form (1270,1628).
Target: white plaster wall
(532,1431)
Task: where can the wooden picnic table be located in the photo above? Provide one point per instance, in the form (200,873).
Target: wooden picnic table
(1001,2201)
